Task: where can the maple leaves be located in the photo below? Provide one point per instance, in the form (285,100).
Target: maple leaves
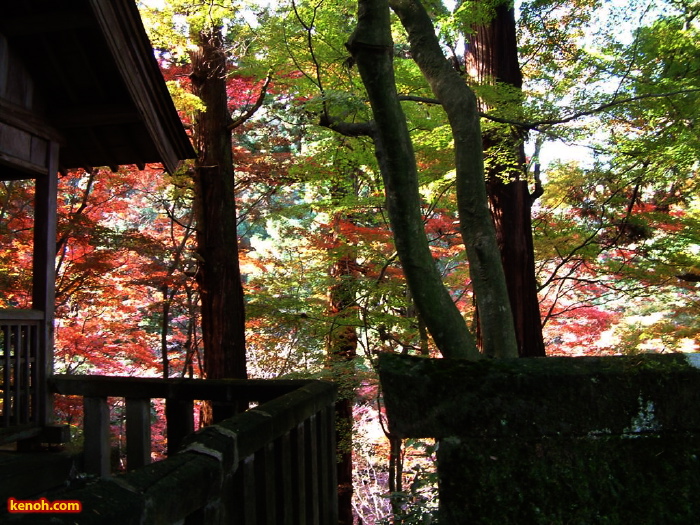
(16,223)
(609,247)
(98,263)
(121,237)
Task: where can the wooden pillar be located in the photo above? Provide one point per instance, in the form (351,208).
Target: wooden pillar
(43,286)
(96,432)
(180,420)
(138,432)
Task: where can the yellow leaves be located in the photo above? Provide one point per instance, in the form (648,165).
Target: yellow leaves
(183,99)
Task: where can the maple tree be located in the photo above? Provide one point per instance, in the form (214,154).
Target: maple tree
(624,243)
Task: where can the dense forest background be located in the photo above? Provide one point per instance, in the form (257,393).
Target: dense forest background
(599,131)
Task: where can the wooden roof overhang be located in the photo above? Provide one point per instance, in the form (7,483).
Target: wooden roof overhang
(92,85)
(79,88)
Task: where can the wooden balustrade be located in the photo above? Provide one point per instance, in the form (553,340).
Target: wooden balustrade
(21,376)
(273,464)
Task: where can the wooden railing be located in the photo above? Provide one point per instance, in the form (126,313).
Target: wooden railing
(273,464)
(22,384)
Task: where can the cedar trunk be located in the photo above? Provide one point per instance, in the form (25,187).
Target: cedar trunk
(492,57)
(218,275)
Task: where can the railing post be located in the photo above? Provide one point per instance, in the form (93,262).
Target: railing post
(138,432)
(96,432)
(180,422)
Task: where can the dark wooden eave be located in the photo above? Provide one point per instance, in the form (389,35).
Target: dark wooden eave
(96,84)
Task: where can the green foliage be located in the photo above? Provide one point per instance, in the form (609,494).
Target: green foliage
(419,500)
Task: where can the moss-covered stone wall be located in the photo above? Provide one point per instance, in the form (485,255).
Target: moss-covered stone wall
(612,440)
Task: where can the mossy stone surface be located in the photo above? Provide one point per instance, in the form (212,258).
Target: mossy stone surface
(562,481)
(531,398)
(606,440)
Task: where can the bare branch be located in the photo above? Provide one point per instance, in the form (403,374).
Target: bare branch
(537,124)
(258,103)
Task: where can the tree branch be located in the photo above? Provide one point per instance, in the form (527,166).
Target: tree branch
(251,111)
(536,124)
(348,129)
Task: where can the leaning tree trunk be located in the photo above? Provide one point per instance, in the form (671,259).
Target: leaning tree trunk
(492,57)
(372,49)
(218,275)
(459,102)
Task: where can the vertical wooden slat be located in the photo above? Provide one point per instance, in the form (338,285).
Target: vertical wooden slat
(283,478)
(179,415)
(34,367)
(24,372)
(332,462)
(16,355)
(249,501)
(327,466)
(265,487)
(138,432)
(6,376)
(299,474)
(233,501)
(96,434)
(311,446)
(20,375)
(4,348)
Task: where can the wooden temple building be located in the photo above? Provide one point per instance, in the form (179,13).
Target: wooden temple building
(80,88)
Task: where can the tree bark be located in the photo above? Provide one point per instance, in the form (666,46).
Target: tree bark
(372,49)
(476,225)
(492,57)
(218,275)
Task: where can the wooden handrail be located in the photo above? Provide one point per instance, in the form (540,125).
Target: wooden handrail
(224,390)
(272,464)
(277,395)
(16,314)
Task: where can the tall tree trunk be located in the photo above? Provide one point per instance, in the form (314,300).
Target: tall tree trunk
(372,49)
(218,275)
(492,57)
(476,225)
